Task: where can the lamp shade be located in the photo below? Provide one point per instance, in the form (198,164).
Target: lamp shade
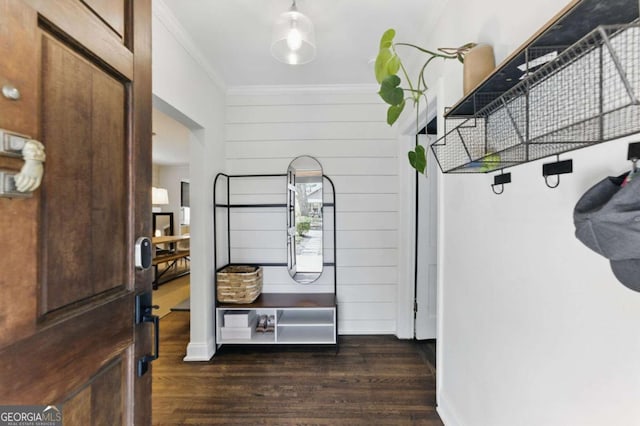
(159,196)
(293,41)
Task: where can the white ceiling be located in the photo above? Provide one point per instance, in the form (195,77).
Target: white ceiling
(235,36)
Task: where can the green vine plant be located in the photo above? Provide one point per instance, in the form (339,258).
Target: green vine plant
(387,67)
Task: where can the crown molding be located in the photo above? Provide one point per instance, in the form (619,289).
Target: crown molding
(162,12)
(303,89)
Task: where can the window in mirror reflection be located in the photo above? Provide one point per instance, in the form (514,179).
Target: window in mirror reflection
(304,220)
(185,204)
(309,227)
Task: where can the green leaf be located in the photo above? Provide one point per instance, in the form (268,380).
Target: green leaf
(386,61)
(490,162)
(387,38)
(418,159)
(394,112)
(390,92)
(381,66)
(412,158)
(393,65)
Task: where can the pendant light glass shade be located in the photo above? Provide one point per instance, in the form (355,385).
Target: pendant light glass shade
(294,41)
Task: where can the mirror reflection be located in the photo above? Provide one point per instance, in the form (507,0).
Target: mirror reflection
(304,219)
(162,226)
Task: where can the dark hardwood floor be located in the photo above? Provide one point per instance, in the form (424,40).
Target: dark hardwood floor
(372,380)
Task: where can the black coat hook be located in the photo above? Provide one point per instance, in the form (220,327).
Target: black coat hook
(556,169)
(500,180)
(633,154)
(634,151)
(546,181)
(493,188)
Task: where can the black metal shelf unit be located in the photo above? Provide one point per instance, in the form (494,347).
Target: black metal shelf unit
(570,87)
(230,206)
(227,205)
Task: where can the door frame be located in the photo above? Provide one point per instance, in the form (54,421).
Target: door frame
(406,327)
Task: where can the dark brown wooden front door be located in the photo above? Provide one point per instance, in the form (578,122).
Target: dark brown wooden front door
(67,276)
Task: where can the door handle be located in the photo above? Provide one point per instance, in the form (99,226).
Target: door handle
(8,187)
(144,310)
(30,176)
(12,143)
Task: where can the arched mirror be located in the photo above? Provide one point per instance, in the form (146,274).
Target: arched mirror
(304,219)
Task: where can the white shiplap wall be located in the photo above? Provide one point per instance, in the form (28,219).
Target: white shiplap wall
(344,129)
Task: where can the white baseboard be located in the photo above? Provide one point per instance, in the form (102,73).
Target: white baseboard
(447,412)
(198,351)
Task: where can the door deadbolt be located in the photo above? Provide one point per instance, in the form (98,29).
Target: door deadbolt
(143,253)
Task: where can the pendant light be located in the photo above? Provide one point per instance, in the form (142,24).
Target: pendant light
(293,42)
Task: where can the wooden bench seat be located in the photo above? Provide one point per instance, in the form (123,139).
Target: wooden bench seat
(170,257)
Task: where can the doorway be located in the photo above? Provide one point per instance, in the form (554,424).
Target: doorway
(170,178)
(424,203)
(425,262)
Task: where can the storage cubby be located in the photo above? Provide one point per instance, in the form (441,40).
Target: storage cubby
(309,326)
(256,337)
(300,318)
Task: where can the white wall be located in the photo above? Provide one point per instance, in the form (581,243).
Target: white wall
(155,172)
(534,328)
(187,91)
(344,128)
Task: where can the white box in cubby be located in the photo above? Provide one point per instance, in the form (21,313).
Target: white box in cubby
(240,333)
(237,333)
(239,318)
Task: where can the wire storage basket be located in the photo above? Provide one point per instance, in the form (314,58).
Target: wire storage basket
(590,93)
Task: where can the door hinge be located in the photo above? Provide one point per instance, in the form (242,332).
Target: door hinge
(415,307)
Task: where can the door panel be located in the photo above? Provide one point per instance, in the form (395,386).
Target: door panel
(66,182)
(79,25)
(110,217)
(67,329)
(100,402)
(111,11)
(85,188)
(107,392)
(48,366)
(77,410)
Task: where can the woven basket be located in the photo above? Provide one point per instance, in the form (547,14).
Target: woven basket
(239,284)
